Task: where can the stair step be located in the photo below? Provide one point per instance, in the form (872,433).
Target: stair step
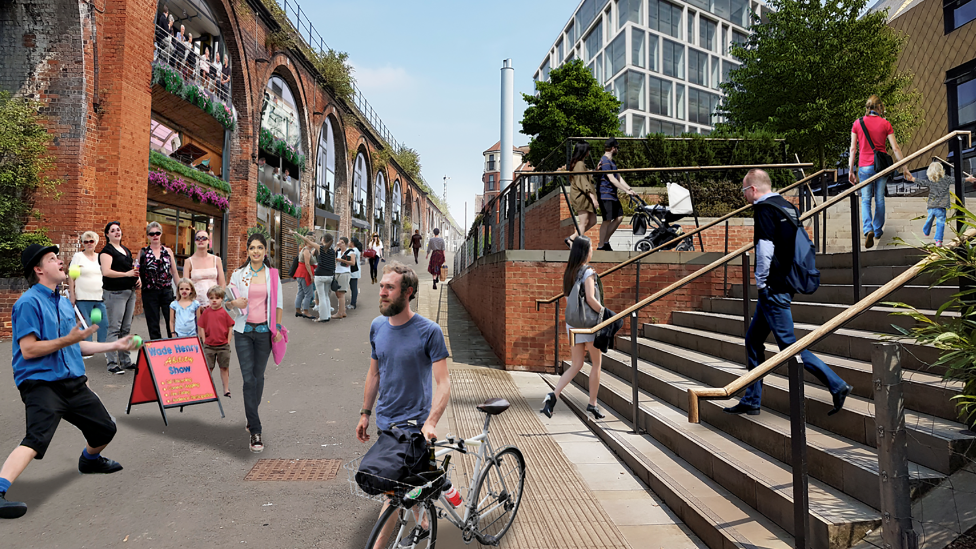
(760,481)
(922,297)
(923,391)
(713,513)
(875,319)
(846,465)
(843,342)
(896,256)
(934,442)
(876,274)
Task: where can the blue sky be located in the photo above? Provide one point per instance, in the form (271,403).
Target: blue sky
(432,71)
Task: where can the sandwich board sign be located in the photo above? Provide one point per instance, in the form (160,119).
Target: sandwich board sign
(173,373)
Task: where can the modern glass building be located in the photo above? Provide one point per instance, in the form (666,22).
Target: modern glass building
(664,59)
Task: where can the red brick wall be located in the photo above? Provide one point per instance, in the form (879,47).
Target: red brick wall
(500,296)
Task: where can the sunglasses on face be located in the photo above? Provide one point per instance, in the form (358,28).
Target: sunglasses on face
(86,242)
(202,238)
(155,234)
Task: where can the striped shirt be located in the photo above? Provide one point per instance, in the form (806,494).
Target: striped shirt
(327,262)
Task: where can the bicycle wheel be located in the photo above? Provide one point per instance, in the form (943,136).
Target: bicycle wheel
(388,536)
(498,494)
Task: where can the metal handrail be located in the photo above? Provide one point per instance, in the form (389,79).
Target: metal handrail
(807,215)
(794,166)
(683,236)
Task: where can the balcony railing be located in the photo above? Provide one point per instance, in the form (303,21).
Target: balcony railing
(300,21)
(192,66)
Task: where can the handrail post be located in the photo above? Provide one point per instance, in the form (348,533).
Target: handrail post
(855,249)
(745,299)
(633,366)
(511,215)
(521,192)
(823,190)
(637,293)
(955,147)
(889,406)
(816,224)
(555,327)
(798,440)
(725,283)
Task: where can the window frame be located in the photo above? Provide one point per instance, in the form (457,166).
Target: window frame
(949,8)
(962,74)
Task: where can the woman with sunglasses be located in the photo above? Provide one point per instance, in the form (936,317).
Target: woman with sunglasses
(203,268)
(157,270)
(120,280)
(86,292)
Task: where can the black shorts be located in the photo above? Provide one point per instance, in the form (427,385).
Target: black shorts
(611,209)
(49,401)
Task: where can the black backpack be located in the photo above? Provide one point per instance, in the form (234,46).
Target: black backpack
(294,265)
(803,277)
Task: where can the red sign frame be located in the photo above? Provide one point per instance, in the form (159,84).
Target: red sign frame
(173,373)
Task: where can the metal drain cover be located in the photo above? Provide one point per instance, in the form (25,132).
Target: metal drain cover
(295,469)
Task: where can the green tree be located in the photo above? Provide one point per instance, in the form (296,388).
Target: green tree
(807,72)
(24,165)
(571,104)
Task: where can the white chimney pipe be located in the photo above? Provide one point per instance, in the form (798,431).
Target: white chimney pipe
(508,89)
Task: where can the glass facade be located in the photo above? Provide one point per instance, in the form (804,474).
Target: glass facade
(665,60)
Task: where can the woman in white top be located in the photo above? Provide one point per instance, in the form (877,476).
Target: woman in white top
(203,268)
(86,292)
(376,245)
(252,328)
(343,273)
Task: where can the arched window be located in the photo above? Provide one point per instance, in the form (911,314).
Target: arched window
(379,205)
(359,188)
(325,169)
(395,237)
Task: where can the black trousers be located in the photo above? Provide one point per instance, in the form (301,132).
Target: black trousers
(374,263)
(48,402)
(154,304)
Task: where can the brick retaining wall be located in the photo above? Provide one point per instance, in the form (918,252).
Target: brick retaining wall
(499,291)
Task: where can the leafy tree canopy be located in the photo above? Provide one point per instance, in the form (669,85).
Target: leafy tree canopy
(808,71)
(571,104)
(24,165)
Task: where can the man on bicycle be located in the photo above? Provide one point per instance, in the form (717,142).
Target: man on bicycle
(408,353)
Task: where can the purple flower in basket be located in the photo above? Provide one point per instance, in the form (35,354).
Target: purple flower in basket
(222,203)
(177,185)
(158,178)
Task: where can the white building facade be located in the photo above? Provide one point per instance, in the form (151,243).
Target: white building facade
(664,59)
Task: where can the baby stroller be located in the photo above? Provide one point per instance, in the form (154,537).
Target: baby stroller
(661,217)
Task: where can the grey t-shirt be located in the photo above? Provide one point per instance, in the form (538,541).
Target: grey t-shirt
(406,355)
(436,243)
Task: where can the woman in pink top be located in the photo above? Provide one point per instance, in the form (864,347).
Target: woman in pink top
(252,333)
(203,268)
(879,130)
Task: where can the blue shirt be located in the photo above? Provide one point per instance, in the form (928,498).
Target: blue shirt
(186,318)
(608,191)
(406,355)
(44,313)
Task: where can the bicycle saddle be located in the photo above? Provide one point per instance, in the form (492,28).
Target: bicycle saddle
(494,406)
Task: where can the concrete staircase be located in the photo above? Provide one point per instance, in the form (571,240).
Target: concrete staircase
(729,477)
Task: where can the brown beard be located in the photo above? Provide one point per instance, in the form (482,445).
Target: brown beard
(394,308)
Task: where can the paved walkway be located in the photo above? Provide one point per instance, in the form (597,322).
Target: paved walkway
(577,493)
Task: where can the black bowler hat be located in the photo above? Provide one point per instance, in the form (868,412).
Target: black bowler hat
(32,254)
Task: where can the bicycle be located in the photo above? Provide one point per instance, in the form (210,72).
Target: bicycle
(493,498)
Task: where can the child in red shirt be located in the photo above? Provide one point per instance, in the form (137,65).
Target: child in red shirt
(215,326)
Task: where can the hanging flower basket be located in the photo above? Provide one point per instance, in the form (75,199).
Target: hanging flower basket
(278,202)
(178,185)
(172,81)
(274,145)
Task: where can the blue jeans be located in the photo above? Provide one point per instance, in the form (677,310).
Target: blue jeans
(86,307)
(773,315)
(939,216)
(253,350)
(875,190)
(303,299)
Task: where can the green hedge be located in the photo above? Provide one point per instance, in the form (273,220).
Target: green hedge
(160,160)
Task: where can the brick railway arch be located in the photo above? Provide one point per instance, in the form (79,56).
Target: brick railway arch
(330,177)
(360,192)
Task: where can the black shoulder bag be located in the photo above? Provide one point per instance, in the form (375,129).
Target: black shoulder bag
(882,160)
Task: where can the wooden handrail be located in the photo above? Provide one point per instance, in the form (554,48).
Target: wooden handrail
(683,236)
(810,213)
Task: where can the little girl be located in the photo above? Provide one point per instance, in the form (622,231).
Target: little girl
(183,317)
(938,185)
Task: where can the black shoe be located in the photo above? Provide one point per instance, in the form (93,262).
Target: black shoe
(11,509)
(606,247)
(102,465)
(130,366)
(299,315)
(595,411)
(741,408)
(256,445)
(417,534)
(117,370)
(548,404)
(839,398)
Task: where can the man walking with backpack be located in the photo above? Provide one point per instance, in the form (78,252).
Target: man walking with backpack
(784,265)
